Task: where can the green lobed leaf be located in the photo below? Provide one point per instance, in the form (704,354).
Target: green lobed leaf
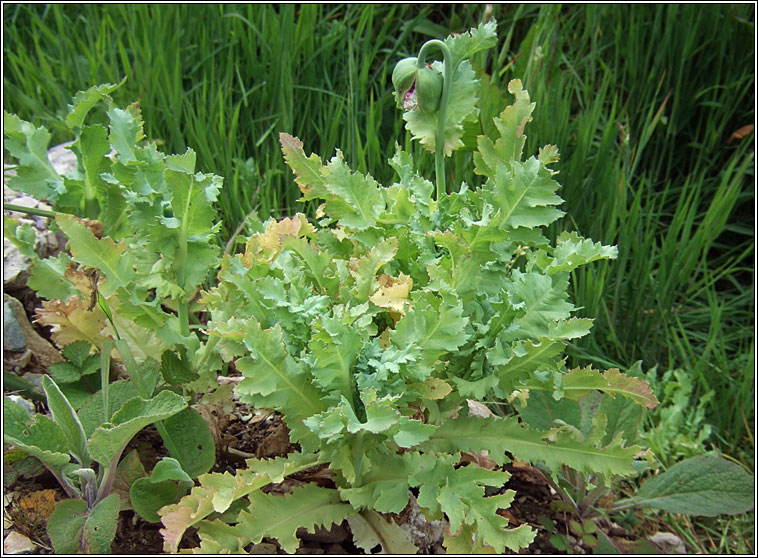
(572,251)
(220,538)
(318,264)
(510,125)
(353,198)
(48,278)
(516,362)
(469,541)
(309,171)
(192,201)
(334,348)
(92,148)
(526,444)
(64,372)
(21,235)
(364,269)
(77,352)
(579,382)
(308,506)
(125,132)
(542,299)
(435,325)
(384,481)
(273,379)
(35,174)
(370,529)
(524,195)
(465,45)
(84,101)
(217,492)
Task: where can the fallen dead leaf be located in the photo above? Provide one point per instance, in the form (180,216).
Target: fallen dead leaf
(740,133)
(39,505)
(479,458)
(476,409)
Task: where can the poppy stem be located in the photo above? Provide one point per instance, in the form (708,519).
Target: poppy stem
(447,76)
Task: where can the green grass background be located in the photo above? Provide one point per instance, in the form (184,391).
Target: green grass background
(642,101)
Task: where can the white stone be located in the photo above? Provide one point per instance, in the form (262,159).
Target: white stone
(669,543)
(17,399)
(16,543)
(62,159)
(15,267)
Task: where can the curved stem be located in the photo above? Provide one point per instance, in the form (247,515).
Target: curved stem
(447,76)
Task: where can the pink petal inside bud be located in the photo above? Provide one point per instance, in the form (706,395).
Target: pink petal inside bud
(410,102)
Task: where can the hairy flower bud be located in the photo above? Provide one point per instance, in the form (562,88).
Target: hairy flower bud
(403,77)
(428,89)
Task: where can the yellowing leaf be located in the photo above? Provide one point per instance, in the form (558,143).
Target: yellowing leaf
(103,254)
(432,388)
(580,381)
(265,246)
(631,387)
(392,292)
(308,170)
(72,321)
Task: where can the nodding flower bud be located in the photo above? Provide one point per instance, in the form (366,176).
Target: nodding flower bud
(428,89)
(404,77)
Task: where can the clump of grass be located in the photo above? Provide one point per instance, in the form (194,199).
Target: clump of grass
(222,79)
(643,101)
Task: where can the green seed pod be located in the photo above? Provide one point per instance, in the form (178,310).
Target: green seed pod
(403,76)
(428,89)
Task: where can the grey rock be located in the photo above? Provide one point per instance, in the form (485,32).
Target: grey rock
(35,379)
(44,353)
(13,335)
(62,158)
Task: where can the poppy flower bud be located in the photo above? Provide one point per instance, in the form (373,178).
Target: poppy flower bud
(428,89)
(403,77)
